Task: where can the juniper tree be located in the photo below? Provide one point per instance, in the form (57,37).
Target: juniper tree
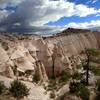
(90,53)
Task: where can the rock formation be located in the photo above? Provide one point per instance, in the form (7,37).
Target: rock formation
(38,55)
(33,52)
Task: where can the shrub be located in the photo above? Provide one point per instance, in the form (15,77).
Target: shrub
(97,97)
(79,66)
(73,87)
(52,94)
(28,72)
(64,77)
(2,87)
(97,72)
(14,68)
(98,86)
(52,85)
(84,92)
(18,89)
(5,45)
(98,90)
(36,78)
(80,90)
(76,76)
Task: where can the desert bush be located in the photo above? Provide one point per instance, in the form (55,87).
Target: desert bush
(98,86)
(28,72)
(2,87)
(73,87)
(14,68)
(52,94)
(79,90)
(5,45)
(98,90)
(97,72)
(76,76)
(84,93)
(36,78)
(52,85)
(18,89)
(79,66)
(64,77)
(97,97)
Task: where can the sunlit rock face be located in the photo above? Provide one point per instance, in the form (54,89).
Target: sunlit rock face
(35,53)
(5,63)
(68,48)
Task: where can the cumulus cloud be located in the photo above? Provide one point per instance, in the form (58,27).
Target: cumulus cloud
(36,13)
(4,3)
(85,25)
(3,14)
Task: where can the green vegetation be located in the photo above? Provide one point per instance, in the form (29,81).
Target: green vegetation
(64,77)
(90,53)
(98,85)
(36,78)
(73,87)
(84,92)
(52,85)
(79,66)
(6,97)
(96,71)
(5,45)
(14,68)
(2,88)
(98,90)
(53,67)
(52,95)
(55,84)
(18,89)
(79,90)
(28,72)
(76,76)
(62,97)
(97,97)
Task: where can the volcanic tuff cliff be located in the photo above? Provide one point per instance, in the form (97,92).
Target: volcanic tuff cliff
(39,54)
(32,52)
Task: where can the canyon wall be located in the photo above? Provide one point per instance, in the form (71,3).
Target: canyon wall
(35,53)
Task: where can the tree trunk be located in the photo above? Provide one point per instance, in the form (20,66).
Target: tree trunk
(53,67)
(87,70)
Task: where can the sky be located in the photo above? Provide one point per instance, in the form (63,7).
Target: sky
(48,16)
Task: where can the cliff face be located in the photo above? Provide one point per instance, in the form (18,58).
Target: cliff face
(69,46)
(33,53)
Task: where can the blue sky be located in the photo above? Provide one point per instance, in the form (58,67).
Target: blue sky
(48,16)
(64,20)
(90,3)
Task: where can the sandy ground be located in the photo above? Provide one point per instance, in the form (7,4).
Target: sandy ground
(36,92)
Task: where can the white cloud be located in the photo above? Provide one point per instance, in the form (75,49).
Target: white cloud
(85,25)
(83,10)
(97,15)
(49,30)
(40,12)
(4,3)
(3,14)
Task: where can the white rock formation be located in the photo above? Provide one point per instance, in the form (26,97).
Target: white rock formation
(35,54)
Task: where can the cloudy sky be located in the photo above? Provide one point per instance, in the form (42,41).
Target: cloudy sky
(48,16)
